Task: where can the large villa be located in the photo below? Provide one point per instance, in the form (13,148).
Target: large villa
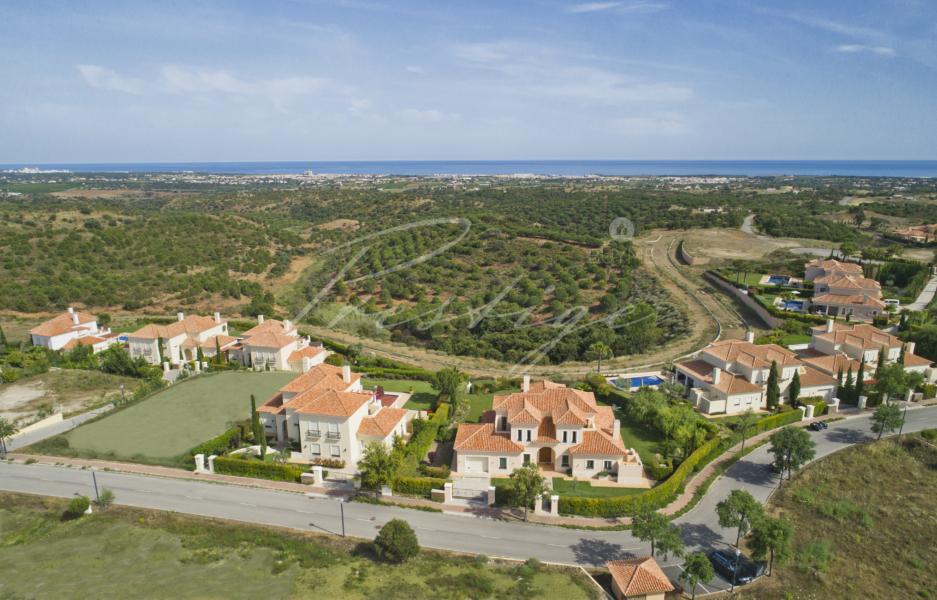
(71,329)
(731,376)
(841,290)
(560,429)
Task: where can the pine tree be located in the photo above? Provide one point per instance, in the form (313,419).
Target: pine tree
(774,390)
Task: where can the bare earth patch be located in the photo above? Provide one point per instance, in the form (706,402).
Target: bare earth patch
(71,390)
(345,224)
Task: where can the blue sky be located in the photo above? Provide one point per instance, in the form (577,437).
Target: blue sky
(363,80)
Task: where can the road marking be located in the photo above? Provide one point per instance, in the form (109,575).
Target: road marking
(558,545)
(247,504)
(491,537)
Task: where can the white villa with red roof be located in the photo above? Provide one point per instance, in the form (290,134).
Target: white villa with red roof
(731,376)
(840,290)
(70,329)
(855,342)
(329,415)
(548,424)
(181,339)
(277,345)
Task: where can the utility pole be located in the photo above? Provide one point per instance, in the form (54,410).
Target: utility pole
(904,416)
(94,478)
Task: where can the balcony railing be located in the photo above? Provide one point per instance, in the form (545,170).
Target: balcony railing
(313,434)
(333,435)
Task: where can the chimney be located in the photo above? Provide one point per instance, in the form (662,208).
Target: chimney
(829,325)
(616,430)
(287,326)
(74,315)
(716,372)
(71,310)
(217,317)
(909,348)
(180,316)
(260,319)
(750,337)
(346,373)
(307,364)
(525,387)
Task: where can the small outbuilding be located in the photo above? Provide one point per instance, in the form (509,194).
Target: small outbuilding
(638,579)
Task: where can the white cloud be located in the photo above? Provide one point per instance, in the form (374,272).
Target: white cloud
(620,7)
(415,69)
(665,124)
(107,79)
(862,48)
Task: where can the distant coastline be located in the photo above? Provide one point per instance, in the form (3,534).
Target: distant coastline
(568,168)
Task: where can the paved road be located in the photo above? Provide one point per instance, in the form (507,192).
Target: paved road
(23,440)
(926,295)
(464,533)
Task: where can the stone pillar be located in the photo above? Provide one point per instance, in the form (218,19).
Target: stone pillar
(491,495)
(165,367)
(908,395)
(555,505)
(538,506)
(198,366)
(803,412)
(199,463)
(860,403)
(211,463)
(447,489)
(317,478)
(809,411)
(833,406)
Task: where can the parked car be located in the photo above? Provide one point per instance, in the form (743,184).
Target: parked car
(774,467)
(818,426)
(724,563)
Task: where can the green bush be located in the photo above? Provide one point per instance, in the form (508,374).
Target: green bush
(779,419)
(77,507)
(417,486)
(660,495)
(819,404)
(332,463)
(223,442)
(929,434)
(929,390)
(424,432)
(442,472)
(258,469)
(396,541)
(658,470)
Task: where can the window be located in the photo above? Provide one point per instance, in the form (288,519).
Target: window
(526,459)
(502,423)
(528,435)
(333,427)
(565,434)
(336,451)
(315,449)
(608,465)
(520,435)
(502,463)
(590,464)
(575,435)
(564,460)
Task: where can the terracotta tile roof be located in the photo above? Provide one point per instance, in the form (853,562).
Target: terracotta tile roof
(839,280)
(307,352)
(567,406)
(269,326)
(860,335)
(832,363)
(729,383)
(481,437)
(382,423)
(270,340)
(223,340)
(639,576)
(63,323)
(814,378)
(329,402)
(273,406)
(913,360)
(88,340)
(848,300)
(755,356)
(830,265)
(191,325)
(596,443)
(323,376)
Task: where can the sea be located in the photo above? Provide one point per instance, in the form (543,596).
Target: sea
(569,168)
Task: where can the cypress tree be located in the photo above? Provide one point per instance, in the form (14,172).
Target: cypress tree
(881,362)
(901,355)
(794,390)
(850,392)
(217,351)
(199,355)
(860,380)
(774,390)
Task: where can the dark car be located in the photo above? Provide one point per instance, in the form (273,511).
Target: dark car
(819,426)
(724,563)
(774,467)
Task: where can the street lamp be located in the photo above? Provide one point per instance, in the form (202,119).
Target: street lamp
(94,479)
(735,571)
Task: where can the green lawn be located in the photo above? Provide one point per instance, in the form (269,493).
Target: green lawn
(177,418)
(566,487)
(424,395)
(135,553)
(647,442)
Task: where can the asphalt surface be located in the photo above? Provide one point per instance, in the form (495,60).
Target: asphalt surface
(446,531)
(26,439)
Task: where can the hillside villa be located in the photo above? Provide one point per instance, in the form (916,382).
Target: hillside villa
(560,429)
(841,290)
(71,329)
(326,414)
(180,339)
(276,345)
(731,376)
(919,234)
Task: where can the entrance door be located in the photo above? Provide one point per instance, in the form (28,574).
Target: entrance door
(545,456)
(476,465)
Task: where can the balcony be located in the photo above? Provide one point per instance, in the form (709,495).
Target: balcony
(333,435)
(313,434)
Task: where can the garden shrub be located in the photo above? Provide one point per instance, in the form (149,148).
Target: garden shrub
(929,434)
(659,470)
(774,421)
(442,472)
(424,432)
(819,404)
(816,555)
(417,486)
(77,507)
(396,541)
(929,390)
(228,440)
(332,463)
(258,469)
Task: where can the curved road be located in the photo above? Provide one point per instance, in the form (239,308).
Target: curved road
(458,532)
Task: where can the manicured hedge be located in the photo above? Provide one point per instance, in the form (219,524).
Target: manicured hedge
(777,420)
(332,463)
(258,469)
(819,405)
(220,444)
(424,432)
(654,498)
(417,486)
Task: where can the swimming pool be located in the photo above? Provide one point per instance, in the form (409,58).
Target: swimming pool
(795,305)
(633,383)
(779,280)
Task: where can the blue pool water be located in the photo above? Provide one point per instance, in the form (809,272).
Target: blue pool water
(792,305)
(778,280)
(636,382)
